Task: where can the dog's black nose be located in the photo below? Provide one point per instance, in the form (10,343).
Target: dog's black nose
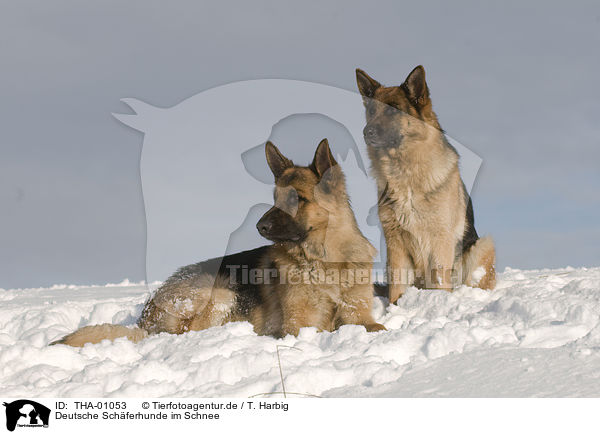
(370,132)
(264,227)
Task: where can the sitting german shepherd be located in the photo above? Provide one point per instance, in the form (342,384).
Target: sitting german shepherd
(317,273)
(424,208)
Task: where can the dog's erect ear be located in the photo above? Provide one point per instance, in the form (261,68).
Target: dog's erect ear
(416,86)
(323,160)
(366,85)
(276,161)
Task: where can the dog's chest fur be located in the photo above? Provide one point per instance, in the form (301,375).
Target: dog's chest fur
(400,205)
(421,198)
(304,273)
(307,282)
(409,198)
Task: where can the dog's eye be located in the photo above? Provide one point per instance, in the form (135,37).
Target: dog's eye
(302,199)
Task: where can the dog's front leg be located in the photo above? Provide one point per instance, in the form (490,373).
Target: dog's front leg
(400,268)
(439,271)
(356,308)
(305,309)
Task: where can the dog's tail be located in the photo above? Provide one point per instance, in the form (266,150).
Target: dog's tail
(479,264)
(96,333)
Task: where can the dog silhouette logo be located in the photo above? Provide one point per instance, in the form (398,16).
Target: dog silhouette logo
(26,413)
(203,161)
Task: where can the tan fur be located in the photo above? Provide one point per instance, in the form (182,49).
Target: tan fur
(197,296)
(190,304)
(97,333)
(423,203)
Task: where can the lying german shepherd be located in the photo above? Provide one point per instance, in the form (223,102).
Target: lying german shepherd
(317,273)
(424,208)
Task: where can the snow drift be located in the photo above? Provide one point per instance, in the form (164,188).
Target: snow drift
(537,334)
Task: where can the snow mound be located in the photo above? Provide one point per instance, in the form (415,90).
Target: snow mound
(537,334)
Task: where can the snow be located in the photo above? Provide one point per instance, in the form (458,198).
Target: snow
(477,275)
(537,334)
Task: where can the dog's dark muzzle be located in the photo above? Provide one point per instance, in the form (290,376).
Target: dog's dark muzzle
(375,137)
(276,225)
(264,228)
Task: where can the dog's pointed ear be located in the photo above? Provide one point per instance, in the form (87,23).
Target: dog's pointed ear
(327,169)
(323,160)
(366,85)
(276,161)
(416,87)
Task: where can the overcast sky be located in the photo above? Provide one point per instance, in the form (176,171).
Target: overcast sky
(516,82)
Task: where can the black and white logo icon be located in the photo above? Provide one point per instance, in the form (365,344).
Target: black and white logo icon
(26,413)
